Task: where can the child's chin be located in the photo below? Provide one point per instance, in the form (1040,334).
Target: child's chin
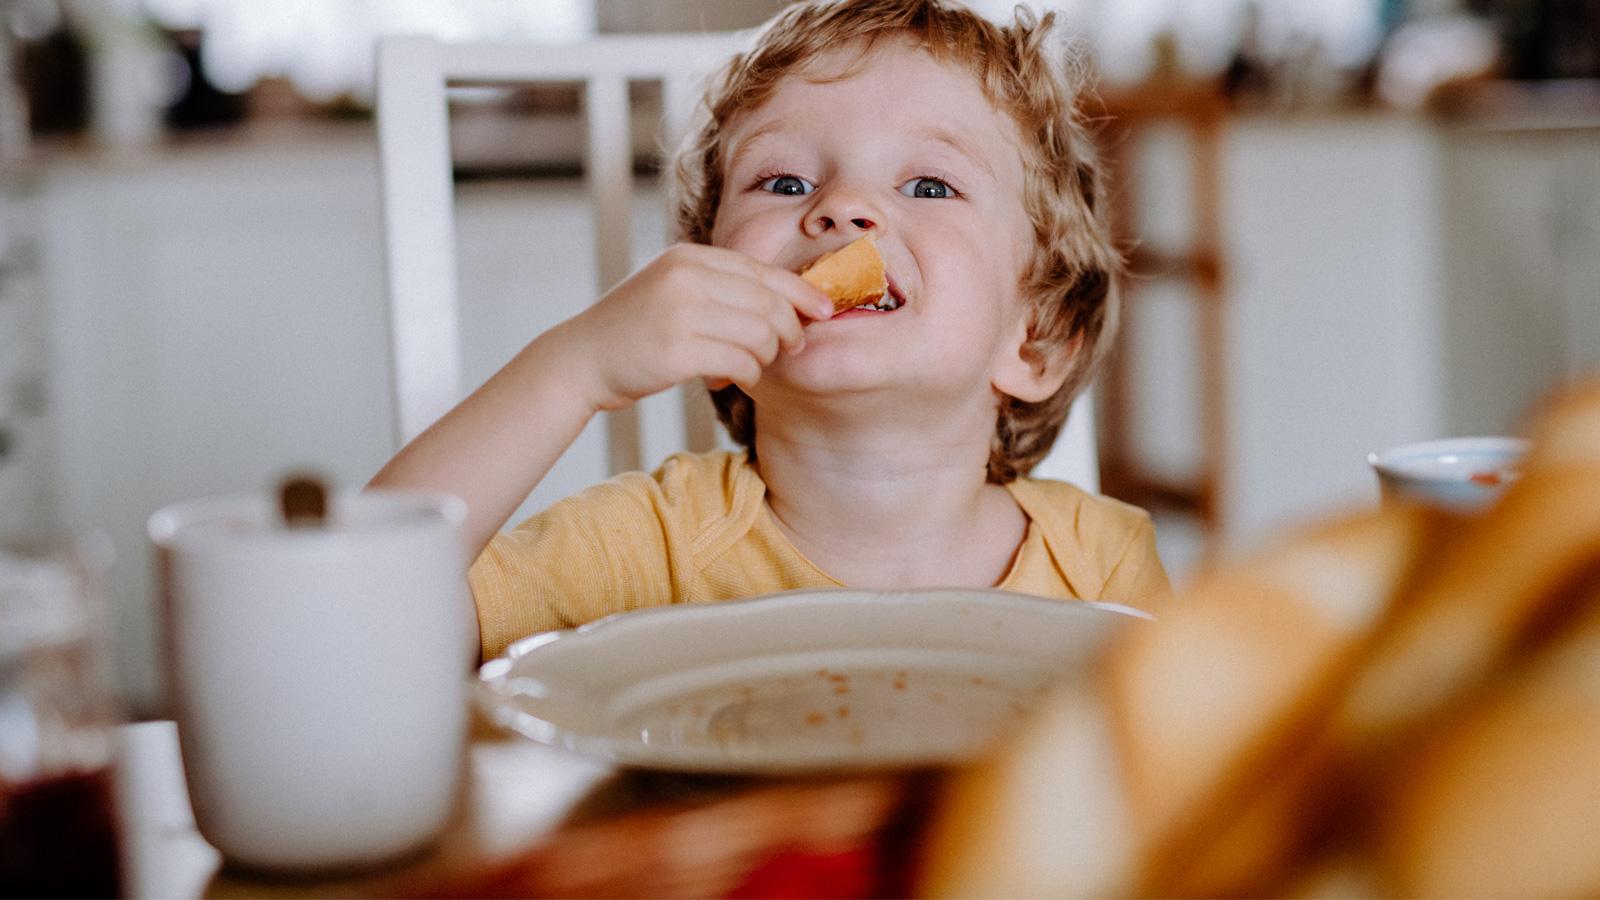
(822,376)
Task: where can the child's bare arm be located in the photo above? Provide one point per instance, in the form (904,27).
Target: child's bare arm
(693,312)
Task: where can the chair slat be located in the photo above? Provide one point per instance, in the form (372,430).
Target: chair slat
(419,233)
(608,173)
(679,94)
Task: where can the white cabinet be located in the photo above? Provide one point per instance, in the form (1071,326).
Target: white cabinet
(1393,279)
(1387,278)
(1334,347)
(1521,229)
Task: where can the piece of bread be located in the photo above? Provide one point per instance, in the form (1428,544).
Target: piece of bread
(1500,801)
(1222,691)
(1491,597)
(851,275)
(1123,776)
(1401,703)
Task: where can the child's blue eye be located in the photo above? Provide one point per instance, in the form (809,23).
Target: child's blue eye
(927,187)
(790,185)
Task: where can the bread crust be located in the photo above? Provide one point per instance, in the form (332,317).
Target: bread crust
(1401,702)
(851,275)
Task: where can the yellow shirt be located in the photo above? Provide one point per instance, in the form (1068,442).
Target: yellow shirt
(698,530)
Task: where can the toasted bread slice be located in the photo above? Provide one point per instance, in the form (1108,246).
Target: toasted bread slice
(1499,801)
(851,275)
(1401,703)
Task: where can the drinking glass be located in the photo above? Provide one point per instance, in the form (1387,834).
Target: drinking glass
(58,715)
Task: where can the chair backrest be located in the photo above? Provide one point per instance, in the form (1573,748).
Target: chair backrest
(419,224)
(419,227)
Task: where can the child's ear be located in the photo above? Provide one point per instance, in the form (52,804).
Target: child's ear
(1032,373)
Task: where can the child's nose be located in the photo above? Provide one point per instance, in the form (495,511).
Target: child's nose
(842,210)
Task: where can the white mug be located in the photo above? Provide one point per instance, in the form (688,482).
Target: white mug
(319,676)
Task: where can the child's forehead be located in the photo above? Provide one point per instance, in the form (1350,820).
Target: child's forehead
(861,60)
(894,70)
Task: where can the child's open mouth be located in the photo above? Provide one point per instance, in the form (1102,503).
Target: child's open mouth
(892,300)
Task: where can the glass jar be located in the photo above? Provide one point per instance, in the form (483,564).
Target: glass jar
(58,715)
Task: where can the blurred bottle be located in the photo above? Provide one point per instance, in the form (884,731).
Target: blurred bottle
(1247,79)
(58,820)
(1546,38)
(198,103)
(50,65)
(129,72)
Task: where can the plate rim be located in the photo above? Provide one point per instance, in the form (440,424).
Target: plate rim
(493,702)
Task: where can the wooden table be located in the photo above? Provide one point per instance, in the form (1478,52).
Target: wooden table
(536,819)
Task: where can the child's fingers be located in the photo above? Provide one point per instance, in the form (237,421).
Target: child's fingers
(732,364)
(732,293)
(744,329)
(801,294)
(782,318)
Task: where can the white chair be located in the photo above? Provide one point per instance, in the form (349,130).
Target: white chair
(419,229)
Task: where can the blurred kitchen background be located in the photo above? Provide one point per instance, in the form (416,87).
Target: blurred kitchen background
(1354,223)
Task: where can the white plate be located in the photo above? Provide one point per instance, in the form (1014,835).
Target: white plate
(805,680)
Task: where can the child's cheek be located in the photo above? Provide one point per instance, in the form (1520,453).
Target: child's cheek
(762,236)
(727,230)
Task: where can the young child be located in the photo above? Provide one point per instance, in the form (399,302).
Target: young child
(884,449)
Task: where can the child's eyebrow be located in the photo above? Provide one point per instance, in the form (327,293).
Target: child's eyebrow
(750,140)
(933,133)
(957,143)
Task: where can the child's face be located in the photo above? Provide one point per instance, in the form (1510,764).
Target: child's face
(910,150)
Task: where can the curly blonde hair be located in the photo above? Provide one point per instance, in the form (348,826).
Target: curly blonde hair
(1071,281)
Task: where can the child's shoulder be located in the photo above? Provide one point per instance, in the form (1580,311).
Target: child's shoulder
(692,499)
(697,487)
(1062,507)
(714,472)
(700,484)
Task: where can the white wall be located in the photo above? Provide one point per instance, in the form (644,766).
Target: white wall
(1522,273)
(1387,279)
(218,320)
(1333,335)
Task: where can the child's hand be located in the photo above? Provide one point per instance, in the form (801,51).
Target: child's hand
(694,312)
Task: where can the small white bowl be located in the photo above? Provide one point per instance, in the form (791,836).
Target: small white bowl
(1464,473)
